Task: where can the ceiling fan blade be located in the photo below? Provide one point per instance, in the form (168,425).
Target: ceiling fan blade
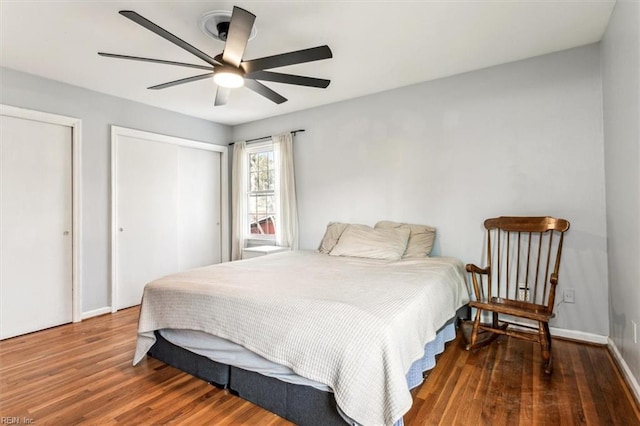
(298,80)
(291,58)
(140,20)
(263,90)
(222,96)
(238,36)
(157,61)
(181,81)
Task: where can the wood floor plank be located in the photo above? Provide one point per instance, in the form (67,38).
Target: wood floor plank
(82,374)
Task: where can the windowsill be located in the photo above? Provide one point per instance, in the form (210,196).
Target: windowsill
(253,242)
(257,251)
(266,249)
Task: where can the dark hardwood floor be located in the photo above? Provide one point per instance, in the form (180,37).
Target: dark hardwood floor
(82,374)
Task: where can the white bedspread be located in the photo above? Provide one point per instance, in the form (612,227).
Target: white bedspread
(354,324)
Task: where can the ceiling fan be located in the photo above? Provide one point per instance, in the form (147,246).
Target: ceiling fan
(228,69)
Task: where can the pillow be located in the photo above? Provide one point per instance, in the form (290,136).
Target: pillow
(421,238)
(364,241)
(331,236)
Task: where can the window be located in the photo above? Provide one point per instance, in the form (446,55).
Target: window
(261,193)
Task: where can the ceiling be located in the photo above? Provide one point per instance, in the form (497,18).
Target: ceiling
(376,45)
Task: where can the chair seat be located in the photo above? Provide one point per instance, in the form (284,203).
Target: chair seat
(516,308)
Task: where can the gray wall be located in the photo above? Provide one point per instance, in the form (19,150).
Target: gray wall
(523,138)
(97,112)
(621,86)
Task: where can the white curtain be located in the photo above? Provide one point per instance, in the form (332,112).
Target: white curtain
(287,213)
(238,199)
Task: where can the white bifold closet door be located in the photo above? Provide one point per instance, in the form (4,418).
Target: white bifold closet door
(167,212)
(35,225)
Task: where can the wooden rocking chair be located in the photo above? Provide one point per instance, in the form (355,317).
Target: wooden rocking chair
(523,260)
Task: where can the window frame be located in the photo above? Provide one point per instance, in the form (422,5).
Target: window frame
(255,148)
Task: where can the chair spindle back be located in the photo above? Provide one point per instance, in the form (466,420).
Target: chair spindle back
(524,257)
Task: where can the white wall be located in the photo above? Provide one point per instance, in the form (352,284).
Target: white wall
(621,86)
(97,112)
(523,138)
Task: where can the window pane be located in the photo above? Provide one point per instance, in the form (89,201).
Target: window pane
(264,172)
(253,225)
(253,181)
(262,180)
(272,170)
(270,205)
(259,205)
(261,215)
(253,162)
(271,226)
(264,225)
(262,205)
(272,180)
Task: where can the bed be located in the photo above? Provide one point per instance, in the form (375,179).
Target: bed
(319,337)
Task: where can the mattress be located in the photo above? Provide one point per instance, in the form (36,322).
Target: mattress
(316,314)
(226,352)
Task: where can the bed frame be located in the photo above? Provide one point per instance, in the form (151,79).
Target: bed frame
(302,405)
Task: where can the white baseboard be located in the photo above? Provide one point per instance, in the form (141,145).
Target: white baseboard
(626,371)
(579,335)
(96,312)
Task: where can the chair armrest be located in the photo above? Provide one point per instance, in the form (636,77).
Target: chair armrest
(476,269)
(477,283)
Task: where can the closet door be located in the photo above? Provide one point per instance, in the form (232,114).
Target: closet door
(35,225)
(198,208)
(146,215)
(167,216)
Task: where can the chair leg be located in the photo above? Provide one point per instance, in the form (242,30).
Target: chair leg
(545,346)
(480,338)
(474,331)
(548,333)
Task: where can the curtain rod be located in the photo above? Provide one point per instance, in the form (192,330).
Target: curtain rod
(264,138)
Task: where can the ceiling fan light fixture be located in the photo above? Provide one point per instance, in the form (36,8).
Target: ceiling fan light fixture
(228,77)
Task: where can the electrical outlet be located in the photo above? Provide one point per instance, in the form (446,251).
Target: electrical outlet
(523,292)
(569,295)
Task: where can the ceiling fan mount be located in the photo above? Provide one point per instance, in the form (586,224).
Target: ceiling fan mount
(223,30)
(228,69)
(215,24)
